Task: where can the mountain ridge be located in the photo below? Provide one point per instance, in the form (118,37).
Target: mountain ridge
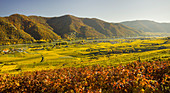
(18,26)
(148,26)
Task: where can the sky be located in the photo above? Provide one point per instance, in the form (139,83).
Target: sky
(107,10)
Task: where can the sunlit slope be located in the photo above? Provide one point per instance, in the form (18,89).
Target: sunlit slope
(9,31)
(22,27)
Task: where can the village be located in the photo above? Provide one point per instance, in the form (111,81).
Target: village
(57,45)
(12,51)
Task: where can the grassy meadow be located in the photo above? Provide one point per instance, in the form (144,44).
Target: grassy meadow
(83,53)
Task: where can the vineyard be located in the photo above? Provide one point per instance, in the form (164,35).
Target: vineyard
(133,77)
(87,66)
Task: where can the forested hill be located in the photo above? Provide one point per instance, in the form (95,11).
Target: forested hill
(148,26)
(21,27)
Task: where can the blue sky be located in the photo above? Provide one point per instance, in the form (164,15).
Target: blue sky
(108,10)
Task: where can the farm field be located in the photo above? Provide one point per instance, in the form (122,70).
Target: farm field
(83,53)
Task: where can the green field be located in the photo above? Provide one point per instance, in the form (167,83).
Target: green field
(82,53)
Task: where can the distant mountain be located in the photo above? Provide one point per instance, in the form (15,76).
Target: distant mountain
(111,29)
(148,26)
(24,27)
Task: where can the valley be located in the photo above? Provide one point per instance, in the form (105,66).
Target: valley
(82,53)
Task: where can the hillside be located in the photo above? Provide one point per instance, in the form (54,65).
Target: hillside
(148,26)
(111,29)
(23,27)
(71,26)
(9,31)
(34,28)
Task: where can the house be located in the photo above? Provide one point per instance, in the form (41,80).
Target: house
(5,51)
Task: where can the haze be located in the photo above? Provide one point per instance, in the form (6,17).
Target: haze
(108,10)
